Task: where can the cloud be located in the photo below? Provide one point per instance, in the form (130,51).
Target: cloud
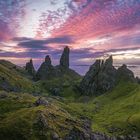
(21,39)
(41,44)
(92,29)
(101,18)
(10,13)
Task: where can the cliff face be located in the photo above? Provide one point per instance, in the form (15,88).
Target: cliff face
(102,76)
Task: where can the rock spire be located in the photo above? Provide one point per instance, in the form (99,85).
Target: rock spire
(64,60)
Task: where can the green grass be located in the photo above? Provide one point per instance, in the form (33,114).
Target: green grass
(19,119)
(14,79)
(115,113)
(66,84)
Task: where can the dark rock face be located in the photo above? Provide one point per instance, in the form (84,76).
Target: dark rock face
(48,60)
(64,60)
(30,68)
(100,78)
(46,70)
(124,73)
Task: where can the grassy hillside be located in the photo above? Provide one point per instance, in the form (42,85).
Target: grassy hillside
(14,78)
(21,71)
(115,113)
(21,119)
(65,84)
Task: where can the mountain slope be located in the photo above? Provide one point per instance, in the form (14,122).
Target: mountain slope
(14,78)
(115,113)
(63,85)
(25,117)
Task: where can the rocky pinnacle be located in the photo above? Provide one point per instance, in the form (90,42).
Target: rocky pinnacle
(64,60)
(30,68)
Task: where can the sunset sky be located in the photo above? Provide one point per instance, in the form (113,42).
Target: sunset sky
(92,28)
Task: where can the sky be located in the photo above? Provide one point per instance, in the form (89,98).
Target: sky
(91,28)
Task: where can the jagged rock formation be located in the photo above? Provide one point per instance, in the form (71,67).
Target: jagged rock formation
(102,76)
(30,67)
(64,60)
(46,69)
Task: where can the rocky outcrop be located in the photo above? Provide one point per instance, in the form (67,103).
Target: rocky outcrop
(124,73)
(41,101)
(46,70)
(100,78)
(64,60)
(30,67)
(86,133)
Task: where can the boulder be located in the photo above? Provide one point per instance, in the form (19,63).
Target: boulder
(55,136)
(41,101)
(30,67)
